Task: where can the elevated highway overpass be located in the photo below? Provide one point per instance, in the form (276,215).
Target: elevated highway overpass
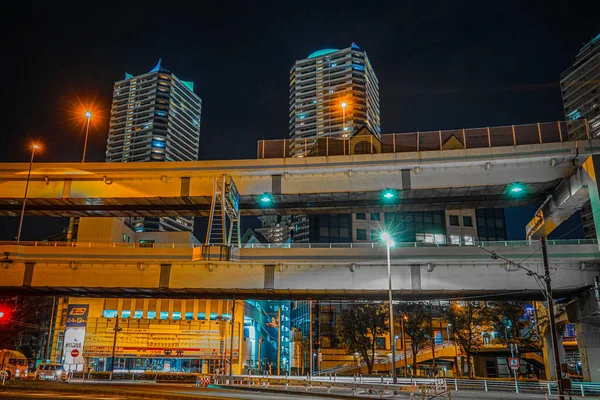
(333,271)
(425,180)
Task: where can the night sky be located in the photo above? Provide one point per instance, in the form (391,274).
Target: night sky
(440,65)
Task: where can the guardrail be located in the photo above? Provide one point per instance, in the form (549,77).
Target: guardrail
(542,387)
(473,138)
(428,388)
(359,245)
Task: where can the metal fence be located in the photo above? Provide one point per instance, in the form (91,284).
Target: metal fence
(359,245)
(541,387)
(474,138)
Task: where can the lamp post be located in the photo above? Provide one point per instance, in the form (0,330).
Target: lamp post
(33,149)
(404,317)
(260,341)
(112,359)
(344,105)
(88,115)
(389,243)
(277,324)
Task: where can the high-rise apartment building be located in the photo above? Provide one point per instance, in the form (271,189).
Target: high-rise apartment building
(580,85)
(154,117)
(333,92)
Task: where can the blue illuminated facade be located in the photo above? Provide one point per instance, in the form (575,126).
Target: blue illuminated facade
(154,117)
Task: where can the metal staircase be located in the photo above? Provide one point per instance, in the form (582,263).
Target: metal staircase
(224,217)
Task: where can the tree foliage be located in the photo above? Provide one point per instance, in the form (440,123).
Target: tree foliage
(512,325)
(417,327)
(25,325)
(358,327)
(467,323)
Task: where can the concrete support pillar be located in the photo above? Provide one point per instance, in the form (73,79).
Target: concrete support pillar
(585,313)
(592,168)
(547,351)
(588,342)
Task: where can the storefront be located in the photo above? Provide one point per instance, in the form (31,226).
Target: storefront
(151,344)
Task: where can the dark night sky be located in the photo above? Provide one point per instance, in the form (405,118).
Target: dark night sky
(440,65)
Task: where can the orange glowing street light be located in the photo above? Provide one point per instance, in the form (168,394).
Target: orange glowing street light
(34,147)
(88,115)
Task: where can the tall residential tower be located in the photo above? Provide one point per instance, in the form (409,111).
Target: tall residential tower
(154,117)
(580,85)
(332,93)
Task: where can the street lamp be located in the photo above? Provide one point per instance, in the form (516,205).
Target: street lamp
(387,239)
(88,115)
(33,149)
(277,324)
(344,105)
(112,359)
(402,321)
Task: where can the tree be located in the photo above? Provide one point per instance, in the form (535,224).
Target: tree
(25,324)
(358,327)
(417,327)
(512,324)
(467,324)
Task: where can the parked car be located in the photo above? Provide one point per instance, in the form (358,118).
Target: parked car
(50,371)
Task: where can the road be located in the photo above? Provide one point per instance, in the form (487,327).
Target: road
(158,391)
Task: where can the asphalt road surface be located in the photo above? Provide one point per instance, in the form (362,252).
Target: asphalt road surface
(159,390)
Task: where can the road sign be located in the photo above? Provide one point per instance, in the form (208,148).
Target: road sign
(514,363)
(74,353)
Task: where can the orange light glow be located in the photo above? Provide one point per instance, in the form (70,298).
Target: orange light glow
(82,111)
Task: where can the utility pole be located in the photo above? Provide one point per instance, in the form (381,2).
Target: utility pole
(552,321)
(50,325)
(112,359)
(232,337)
(260,340)
(432,338)
(310,335)
(279,340)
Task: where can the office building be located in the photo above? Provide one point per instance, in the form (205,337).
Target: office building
(580,85)
(154,117)
(333,92)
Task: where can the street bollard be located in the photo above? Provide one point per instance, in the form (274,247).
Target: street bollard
(354,375)
(455,384)
(360,376)
(335,377)
(485,385)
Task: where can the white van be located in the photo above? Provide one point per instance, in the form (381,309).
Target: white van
(13,363)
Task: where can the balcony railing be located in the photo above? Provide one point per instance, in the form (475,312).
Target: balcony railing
(475,138)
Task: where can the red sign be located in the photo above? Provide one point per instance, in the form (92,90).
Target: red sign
(74,353)
(514,363)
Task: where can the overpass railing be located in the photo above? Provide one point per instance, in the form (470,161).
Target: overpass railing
(359,245)
(473,138)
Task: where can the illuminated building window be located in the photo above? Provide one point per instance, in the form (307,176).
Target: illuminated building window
(109,313)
